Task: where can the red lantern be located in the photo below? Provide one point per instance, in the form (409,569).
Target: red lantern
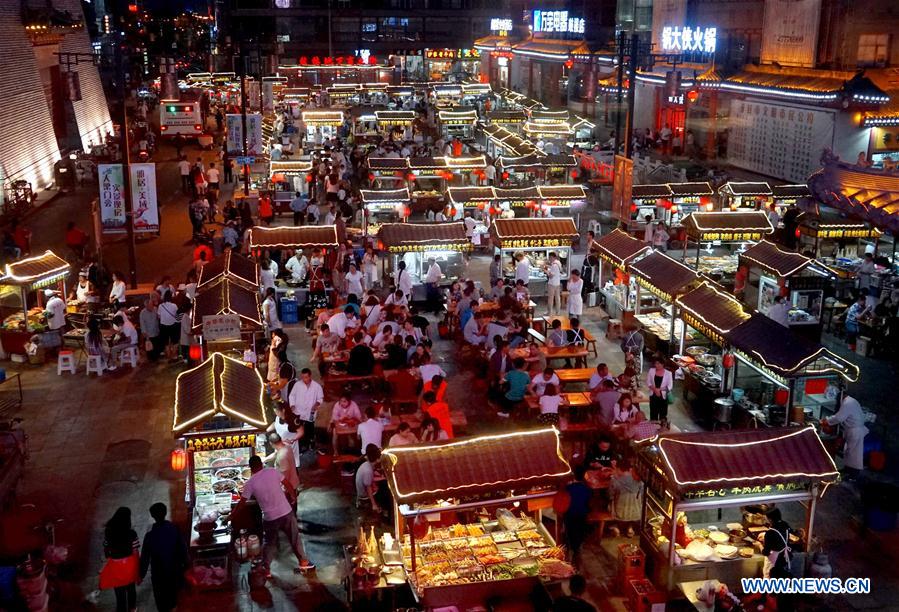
(481,206)
(407,211)
(420,527)
(410,177)
(505,175)
(692,95)
(371,176)
(329,61)
(561,501)
(304,61)
(452,212)
(797,232)
(704,199)
(372,60)
(316,61)
(633,208)
(178,459)
(308,178)
(574,174)
(569,64)
(673,208)
(727,360)
(196,352)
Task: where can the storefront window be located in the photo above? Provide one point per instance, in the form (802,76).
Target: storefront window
(873,49)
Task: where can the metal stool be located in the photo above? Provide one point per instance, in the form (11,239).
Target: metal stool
(65,362)
(95,365)
(128,355)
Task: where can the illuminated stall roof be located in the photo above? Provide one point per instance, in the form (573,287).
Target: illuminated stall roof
(468,195)
(395,117)
(225,296)
(233,266)
(746,189)
(711,310)
(220,385)
(618,247)
(790,192)
(495,464)
(387,163)
(662,275)
(400,237)
(472,89)
(784,353)
(650,192)
(290,167)
(562,192)
(516,193)
(448,117)
(384,196)
(323,117)
(507,116)
(560,229)
(682,190)
(447,89)
(298,237)
(39,270)
(747,457)
(772,258)
(728,226)
(400,90)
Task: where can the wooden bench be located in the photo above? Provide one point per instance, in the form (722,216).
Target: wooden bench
(536,336)
(334,384)
(574,375)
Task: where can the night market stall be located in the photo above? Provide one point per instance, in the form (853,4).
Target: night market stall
(536,168)
(468,521)
(548,125)
(618,248)
(515,201)
(664,279)
(771,271)
(227,311)
(706,496)
(719,237)
(535,238)
(840,244)
(388,172)
(457,123)
(23,282)
(686,198)
(646,201)
(428,178)
(396,121)
(365,124)
(232,266)
(561,201)
(513,119)
(288,178)
(416,243)
(322,124)
(219,422)
(381,206)
(785,196)
(745,196)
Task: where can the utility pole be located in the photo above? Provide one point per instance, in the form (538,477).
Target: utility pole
(243,116)
(620,46)
(126,146)
(631,95)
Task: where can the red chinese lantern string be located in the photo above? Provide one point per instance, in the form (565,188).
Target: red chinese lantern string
(178,459)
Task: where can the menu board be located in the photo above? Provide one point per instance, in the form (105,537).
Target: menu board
(779,140)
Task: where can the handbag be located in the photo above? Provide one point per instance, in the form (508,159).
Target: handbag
(120,572)
(670,397)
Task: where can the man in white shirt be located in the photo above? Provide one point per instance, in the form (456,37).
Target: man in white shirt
(126,336)
(403,280)
(305,399)
(780,311)
(472,332)
(343,321)
(432,281)
(184,169)
(523,269)
(297,265)
(553,285)
(370,431)
(397,298)
(56,311)
(212,176)
(277,516)
(429,370)
(541,380)
(366,487)
(490,174)
(470,225)
(270,310)
(601,374)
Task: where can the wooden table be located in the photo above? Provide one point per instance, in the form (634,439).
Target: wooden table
(574,375)
(566,325)
(577,399)
(350,430)
(564,352)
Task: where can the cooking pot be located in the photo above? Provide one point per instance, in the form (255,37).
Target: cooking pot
(723,408)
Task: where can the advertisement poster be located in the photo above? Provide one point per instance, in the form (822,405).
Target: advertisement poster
(143,198)
(221,327)
(253,94)
(768,290)
(790,32)
(622,187)
(234,130)
(779,140)
(667,13)
(268,95)
(112,198)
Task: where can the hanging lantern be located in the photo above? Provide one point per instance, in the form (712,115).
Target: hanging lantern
(178,459)
(505,175)
(561,501)
(692,95)
(196,352)
(704,199)
(633,208)
(308,178)
(569,64)
(733,206)
(797,232)
(727,360)
(407,211)
(452,211)
(410,177)
(481,206)
(380,245)
(371,176)
(673,209)
(420,527)
(574,174)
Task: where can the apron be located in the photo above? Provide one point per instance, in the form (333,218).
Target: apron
(772,557)
(854,450)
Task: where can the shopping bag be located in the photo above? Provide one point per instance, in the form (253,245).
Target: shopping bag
(120,572)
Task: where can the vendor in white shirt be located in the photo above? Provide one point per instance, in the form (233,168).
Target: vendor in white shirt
(852,418)
(432,282)
(343,322)
(403,280)
(305,398)
(56,311)
(297,265)
(522,268)
(83,292)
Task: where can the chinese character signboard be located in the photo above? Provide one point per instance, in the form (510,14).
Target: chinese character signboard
(209,443)
(440,54)
(112,198)
(666,13)
(143,197)
(500,25)
(234,130)
(268,95)
(556,22)
(687,39)
(533,243)
(221,327)
(254,134)
(790,33)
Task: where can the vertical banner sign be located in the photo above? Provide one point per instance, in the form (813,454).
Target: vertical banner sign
(622,188)
(268,95)
(143,197)
(254,134)
(112,198)
(667,13)
(234,130)
(790,33)
(253,94)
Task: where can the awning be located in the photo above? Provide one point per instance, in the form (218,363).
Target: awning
(457,117)
(790,192)
(227,297)
(868,194)
(219,385)
(401,237)
(746,189)
(559,231)
(290,167)
(746,457)
(473,89)
(506,116)
(516,194)
(320,118)
(683,190)
(463,196)
(536,128)
(385,117)
(728,226)
(232,266)
(784,353)
(427,163)
(772,258)
(299,237)
(562,192)
(384,196)
(465,163)
(711,311)
(662,275)
(619,247)
(520,162)
(447,89)
(35,272)
(519,461)
(817,226)
(493,43)
(549,116)
(388,164)
(650,192)
(559,161)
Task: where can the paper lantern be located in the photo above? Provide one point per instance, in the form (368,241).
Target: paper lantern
(693,95)
(727,360)
(633,208)
(704,199)
(406,211)
(178,459)
(574,174)
(371,176)
(308,178)
(196,352)
(452,212)
(420,527)
(481,206)
(505,175)
(410,177)
(797,232)
(561,501)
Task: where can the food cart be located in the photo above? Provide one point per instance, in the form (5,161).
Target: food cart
(325,123)
(388,172)
(771,271)
(706,496)
(537,169)
(687,198)
(583,131)
(784,196)
(515,201)
(396,120)
(228,297)
(21,284)
(499,141)
(548,125)
(428,182)
(840,244)
(561,201)
(535,238)
(383,206)
(646,200)
(724,235)
(365,124)
(664,279)
(457,123)
(219,422)
(472,93)
(287,179)
(468,522)
(745,196)
(416,243)
(617,249)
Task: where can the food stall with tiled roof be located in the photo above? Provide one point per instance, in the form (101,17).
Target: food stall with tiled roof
(723,234)
(381,206)
(23,282)
(561,201)
(232,266)
(416,243)
(646,200)
(725,479)
(465,564)
(535,238)
(225,296)
(617,249)
(388,172)
(219,420)
(745,195)
(784,196)
(325,122)
(664,279)
(457,123)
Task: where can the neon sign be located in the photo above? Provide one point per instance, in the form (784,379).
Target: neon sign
(687,39)
(500,25)
(557,21)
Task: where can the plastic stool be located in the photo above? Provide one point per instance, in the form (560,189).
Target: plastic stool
(65,362)
(129,356)
(95,365)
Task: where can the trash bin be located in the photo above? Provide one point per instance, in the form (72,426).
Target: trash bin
(289,311)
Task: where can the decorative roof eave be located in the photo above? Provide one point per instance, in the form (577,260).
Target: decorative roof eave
(384,196)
